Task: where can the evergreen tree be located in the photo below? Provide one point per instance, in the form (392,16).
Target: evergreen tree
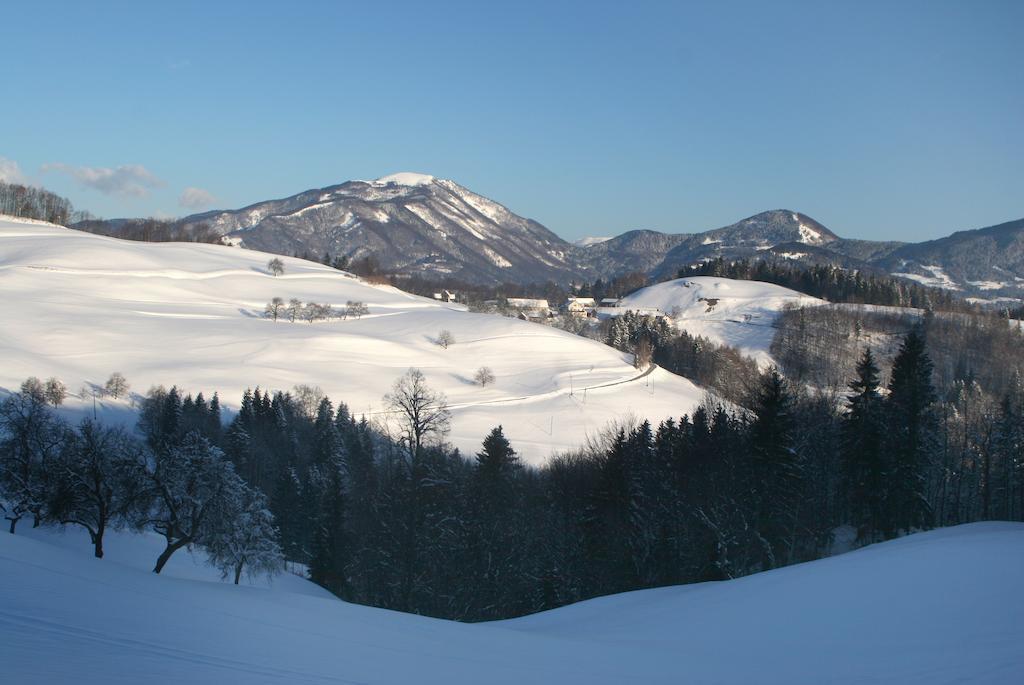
(777,476)
(493,547)
(326,441)
(496,466)
(1008,496)
(912,430)
(863,457)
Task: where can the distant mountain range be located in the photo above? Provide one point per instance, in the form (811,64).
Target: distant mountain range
(419,224)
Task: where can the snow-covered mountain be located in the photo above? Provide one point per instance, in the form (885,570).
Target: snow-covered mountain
(80,306)
(418,224)
(748,238)
(632,251)
(987,262)
(936,607)
(412,223)
(740,314)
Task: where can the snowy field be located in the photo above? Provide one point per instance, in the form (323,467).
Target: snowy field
(79,307)
(937,607)
(730,312)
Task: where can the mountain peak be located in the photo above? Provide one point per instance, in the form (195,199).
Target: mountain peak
(404,178)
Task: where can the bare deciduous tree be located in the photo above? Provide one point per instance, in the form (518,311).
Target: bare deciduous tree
(356,309)
(308,398)
(116,386)
(422,412)
(30,441)
(484,376)
(55,391)
(445,338)
(276,266)
(193,485)
(294,309)
(313,311)
(97,482)
(34,387)
(273,308)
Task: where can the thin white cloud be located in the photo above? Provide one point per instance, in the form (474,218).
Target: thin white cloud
(132,180)
(10,172)
(196,198)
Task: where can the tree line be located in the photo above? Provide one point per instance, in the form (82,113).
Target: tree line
(295,310)
(150,230)
(34,203)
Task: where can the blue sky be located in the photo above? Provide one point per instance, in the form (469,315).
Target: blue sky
(883,120)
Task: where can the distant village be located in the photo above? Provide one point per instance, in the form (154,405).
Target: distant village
(541,310)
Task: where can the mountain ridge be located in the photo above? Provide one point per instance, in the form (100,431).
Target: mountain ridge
(419,224)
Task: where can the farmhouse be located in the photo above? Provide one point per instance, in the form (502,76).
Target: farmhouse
(580,305)
(529,305)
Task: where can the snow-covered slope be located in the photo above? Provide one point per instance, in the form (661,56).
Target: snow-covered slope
(79,307)
(937,607)
(724,310)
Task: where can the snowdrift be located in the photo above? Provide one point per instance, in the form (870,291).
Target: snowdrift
(726,311)
(80,306)
(937,607)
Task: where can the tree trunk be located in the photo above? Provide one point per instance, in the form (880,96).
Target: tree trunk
(238,571)
(166,554)
(97,541)
(14,522)
(986,493)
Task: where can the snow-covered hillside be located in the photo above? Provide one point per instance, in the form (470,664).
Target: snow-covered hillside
(724,310)
(937,607)
(79,307)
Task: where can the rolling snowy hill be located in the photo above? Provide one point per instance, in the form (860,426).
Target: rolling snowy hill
(936,607)
(79,307)
(726,311)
